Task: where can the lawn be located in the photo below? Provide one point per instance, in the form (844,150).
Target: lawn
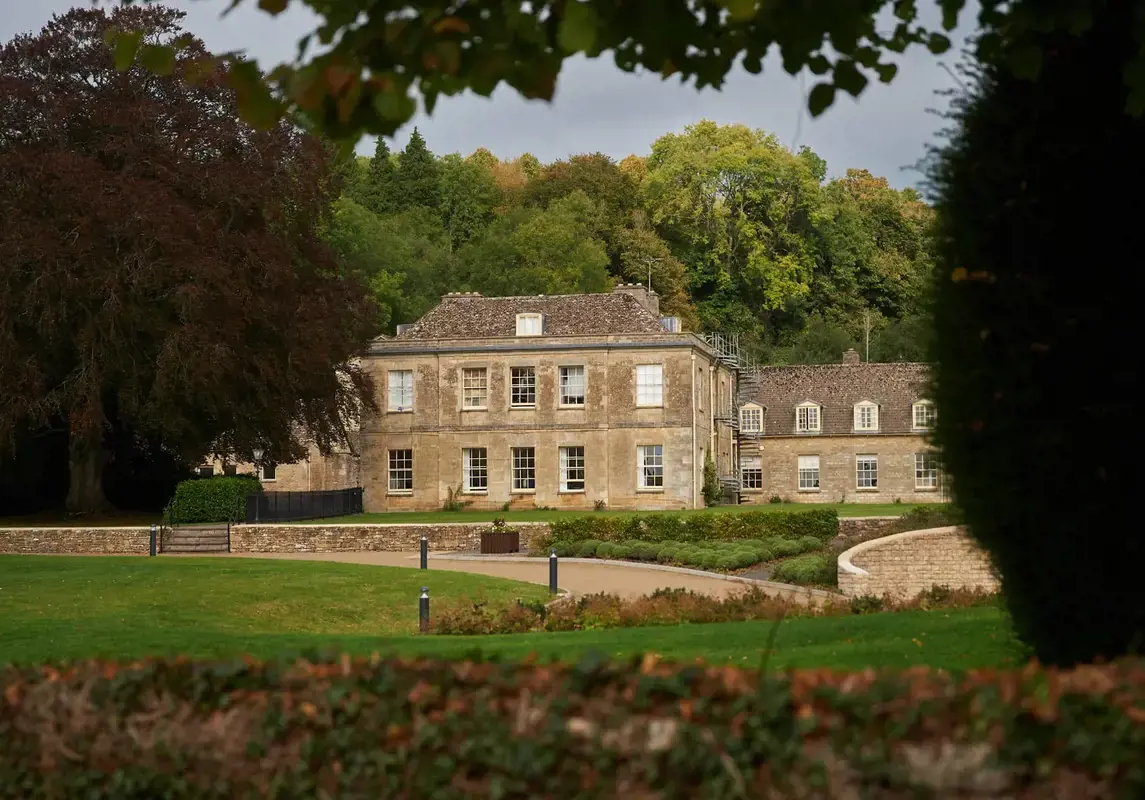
(70,608)
(543,515)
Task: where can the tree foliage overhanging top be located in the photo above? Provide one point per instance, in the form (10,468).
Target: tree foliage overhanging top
(374,57)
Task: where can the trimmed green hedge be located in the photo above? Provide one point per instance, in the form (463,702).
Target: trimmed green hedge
(704,555)
(347,727)
(822,524)
(218,499)
(806,569)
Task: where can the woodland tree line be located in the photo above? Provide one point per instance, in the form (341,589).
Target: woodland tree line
(737,233)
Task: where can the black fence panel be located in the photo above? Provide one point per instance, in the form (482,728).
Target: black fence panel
(294,506)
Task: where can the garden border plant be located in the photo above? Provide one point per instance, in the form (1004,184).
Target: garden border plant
(340,726)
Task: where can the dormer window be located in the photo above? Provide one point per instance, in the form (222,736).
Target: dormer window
(923,415)
(528,324)
(808,418)
(751,418)
(866,416)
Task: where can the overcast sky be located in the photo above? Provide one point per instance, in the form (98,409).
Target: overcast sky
(599,108)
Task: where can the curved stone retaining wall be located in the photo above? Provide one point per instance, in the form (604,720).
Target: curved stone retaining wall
(904,564)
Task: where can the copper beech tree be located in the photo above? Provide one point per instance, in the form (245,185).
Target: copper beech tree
(161,266)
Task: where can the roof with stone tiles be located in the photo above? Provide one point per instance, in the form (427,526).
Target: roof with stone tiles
(471,316)
(837,388)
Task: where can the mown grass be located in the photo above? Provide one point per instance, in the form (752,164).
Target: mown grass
(548,515)
(55,608)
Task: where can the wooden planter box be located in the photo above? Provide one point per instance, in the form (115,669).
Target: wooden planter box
(496,542)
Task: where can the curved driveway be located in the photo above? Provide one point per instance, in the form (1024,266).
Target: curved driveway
(578,576)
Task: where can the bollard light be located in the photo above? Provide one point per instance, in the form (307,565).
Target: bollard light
(424,553)
(553,572)
(423,610)
(154,542)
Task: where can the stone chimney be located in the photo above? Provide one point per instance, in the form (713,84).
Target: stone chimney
(644,296)
(851,356)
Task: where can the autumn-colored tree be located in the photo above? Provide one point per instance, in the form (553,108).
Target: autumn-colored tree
(162,269)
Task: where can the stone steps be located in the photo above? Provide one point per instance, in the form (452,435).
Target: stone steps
(197,540)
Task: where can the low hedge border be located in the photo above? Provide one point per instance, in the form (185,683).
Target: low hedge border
(677,606)
(822,523)
(218,499)
(342,727)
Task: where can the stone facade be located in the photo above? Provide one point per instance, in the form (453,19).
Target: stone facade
(861,436)
(460,360)
(318,472)
(904,564)
(464,537)
(100,541)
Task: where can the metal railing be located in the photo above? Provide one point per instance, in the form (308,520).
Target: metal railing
(294,506)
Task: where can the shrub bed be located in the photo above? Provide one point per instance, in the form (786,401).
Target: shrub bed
(807,570)
(218,499)
(342,727)
(675,606)
(710,555)
(821,523)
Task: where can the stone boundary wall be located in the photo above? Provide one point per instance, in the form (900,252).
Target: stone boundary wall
(313,538)
(53,541)
(443,536)
(904,564)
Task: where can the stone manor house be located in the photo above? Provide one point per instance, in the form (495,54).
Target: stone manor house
(596,400)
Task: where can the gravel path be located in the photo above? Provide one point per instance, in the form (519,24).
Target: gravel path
(576,576)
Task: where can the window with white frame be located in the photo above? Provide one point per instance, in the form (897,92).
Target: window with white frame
(572,386)
(866,416)
(650,385)
(529,324)
(925,470)
(751,473)
(401,470)
(475,464)
(268,472)
(867,472)
(401,390)
(808,473)
(475,387)
(651,458)
(523,386)
(572,469)
(923,415)
(524,469)
(808,418)
(751,419)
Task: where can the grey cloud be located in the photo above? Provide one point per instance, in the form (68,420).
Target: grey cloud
(599,108)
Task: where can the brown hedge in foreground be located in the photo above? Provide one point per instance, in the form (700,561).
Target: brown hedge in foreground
(392,729)
(676,606)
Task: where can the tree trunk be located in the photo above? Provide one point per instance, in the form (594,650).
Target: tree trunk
(86,460)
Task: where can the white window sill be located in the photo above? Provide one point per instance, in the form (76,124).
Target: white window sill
(571,406)
(531,407)
(476,491)
(571,491)
(752,491)
(399,410)
(650,405)
(651,490)
(474,408)
(926,488)
(399,493)
(267,480)
(808,491)
(866,489)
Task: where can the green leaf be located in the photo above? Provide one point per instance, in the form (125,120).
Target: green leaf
(577,31)
(126,45)
(274,7)
(950,12)
(393,105)
(753,64)
(938,44)
(821,97)
(886,72)
(848,78)
(819,65)
(158,58)
(1026,60)
(739,10)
